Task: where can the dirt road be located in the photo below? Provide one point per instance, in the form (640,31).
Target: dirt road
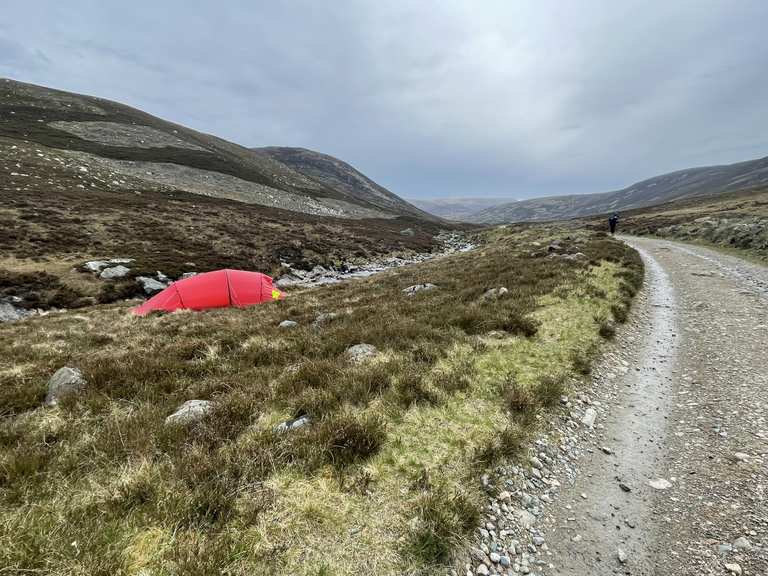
(674,478)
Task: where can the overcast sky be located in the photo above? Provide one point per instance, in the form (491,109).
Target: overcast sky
(474,98)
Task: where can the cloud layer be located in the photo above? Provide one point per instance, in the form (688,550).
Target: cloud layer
(429,98)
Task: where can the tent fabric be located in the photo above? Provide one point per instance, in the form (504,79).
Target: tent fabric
(218,289)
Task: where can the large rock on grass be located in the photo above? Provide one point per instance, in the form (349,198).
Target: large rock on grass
(494,293)
(361,352)
(411,290)
(64,382)
(150,285)
(113,272)
(190,412)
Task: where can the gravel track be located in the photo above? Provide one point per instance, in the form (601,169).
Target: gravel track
(689,416)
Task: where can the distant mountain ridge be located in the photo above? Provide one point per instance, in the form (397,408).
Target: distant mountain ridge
(689,183)
(456,208)
(131,144)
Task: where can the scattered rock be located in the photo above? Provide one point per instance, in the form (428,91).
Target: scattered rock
(287,324)
(411,290)
(590,415)
(150,285)
(324,318)
(621,555)
(625,487)
(741,456)
(11,313)
(118,271)
(525,518)
(65,381)
(660,484)
(190,412)
(407,232)
(733,568)
(482,570)
(724,549)
(293,424)
(494,293)
(742,543)
(361,352)
(96,265)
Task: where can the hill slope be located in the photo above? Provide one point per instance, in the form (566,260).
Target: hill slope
(457,208)
(133,144)
(673,186)
(339,176)
(85,179)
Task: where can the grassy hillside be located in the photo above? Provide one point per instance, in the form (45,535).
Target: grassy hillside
(384,478)
(736,221)
(680,185)
(54,217)
(142,151)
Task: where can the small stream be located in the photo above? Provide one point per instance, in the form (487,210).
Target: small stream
(452,244)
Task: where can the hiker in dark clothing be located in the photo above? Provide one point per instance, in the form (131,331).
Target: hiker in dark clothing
(612,221)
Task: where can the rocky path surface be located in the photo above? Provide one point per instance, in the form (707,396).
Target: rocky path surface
(688,436)
(660,464)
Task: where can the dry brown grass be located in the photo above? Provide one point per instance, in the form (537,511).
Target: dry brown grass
(388,466)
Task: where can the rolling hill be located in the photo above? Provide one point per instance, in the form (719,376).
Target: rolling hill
(83,178)
(678,185)
(131,144)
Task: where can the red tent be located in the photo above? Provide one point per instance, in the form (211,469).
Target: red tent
(217,289)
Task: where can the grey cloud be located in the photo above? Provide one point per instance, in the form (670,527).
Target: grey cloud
(429,98)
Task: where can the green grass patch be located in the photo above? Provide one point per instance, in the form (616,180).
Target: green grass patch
(388,467)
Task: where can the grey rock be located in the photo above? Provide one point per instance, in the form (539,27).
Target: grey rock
(188,275)
(505,561)
(287,324)
(660,484)
(724,549)
(96,265)
(411,290)
(65,381)
(293,424)
(11,313)
(118,271)
(162,277)
(482,570)
(150,285)
(590,415)
(524,518)
(494,293)
(190,412)
(361,352)
(538,540)
(495,557)
(734,568)
(621,555)
(407,232)
(742,543)
(325,318)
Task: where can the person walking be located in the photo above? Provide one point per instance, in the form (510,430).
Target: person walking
(612,221)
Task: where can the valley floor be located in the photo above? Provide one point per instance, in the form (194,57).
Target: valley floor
(672,479)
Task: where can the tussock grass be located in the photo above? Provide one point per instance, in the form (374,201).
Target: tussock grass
(388,466)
